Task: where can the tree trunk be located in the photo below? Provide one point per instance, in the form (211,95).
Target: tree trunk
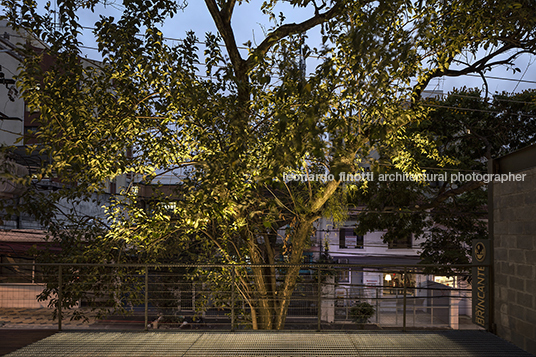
(254,319)
(289,284)
(263,295)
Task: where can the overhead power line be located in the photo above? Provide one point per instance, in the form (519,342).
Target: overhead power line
(479,110)
(310,56)
(246,48)
(502,78)
(495,98)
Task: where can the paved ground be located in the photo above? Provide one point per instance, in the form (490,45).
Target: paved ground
(42,318)
(12,340)
(366,344)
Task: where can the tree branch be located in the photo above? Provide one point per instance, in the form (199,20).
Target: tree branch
(450,193)
(227,11)
(479,65)
(319,202)
(222,19)
(482,64)
(289,29)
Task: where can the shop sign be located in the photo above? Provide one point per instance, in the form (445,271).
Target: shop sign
(481,290)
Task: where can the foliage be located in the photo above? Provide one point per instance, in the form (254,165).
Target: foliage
(147,109)
(361,312)
(449,213)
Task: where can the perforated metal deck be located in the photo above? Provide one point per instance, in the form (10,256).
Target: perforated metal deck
(167,344)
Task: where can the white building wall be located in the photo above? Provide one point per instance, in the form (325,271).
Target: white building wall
(373,244)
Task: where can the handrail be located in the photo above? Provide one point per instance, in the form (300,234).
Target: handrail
(319,299)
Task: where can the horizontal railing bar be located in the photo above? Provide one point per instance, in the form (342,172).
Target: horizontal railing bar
(310,266)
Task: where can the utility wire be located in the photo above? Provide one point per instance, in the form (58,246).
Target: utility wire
(317,57)
(502,78)
(470,75)
(429,105)
(479,110)
(310,56)
(497,99)
(526,69)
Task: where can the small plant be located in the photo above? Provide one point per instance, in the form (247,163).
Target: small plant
(361,312)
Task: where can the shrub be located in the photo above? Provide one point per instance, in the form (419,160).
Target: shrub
(361,312)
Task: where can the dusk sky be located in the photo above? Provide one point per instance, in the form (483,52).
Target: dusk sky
(249,24)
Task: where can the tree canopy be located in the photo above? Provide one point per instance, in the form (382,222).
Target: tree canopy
(235,121)
(450,208)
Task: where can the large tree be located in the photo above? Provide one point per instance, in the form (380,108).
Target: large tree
(450,208)
(237,122)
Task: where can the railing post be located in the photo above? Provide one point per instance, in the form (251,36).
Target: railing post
(414,308)
(146,298)
(404,308)
(60,295)
(396,306)
(432,309)
(377,307)
(233,282)
(319,300)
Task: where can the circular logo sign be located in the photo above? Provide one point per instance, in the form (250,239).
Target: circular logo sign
(480,252)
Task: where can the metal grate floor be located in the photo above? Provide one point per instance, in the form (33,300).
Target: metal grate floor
(173,344)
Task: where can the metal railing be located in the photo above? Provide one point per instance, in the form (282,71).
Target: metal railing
(326,297)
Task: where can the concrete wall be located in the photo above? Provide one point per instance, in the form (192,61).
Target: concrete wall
(514,232)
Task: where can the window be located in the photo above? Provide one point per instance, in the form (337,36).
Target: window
(401,243)
(168,206)
(448,281)
(348,239)
(169,209)
(394,283)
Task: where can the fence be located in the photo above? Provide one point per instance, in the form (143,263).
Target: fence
(227,297)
